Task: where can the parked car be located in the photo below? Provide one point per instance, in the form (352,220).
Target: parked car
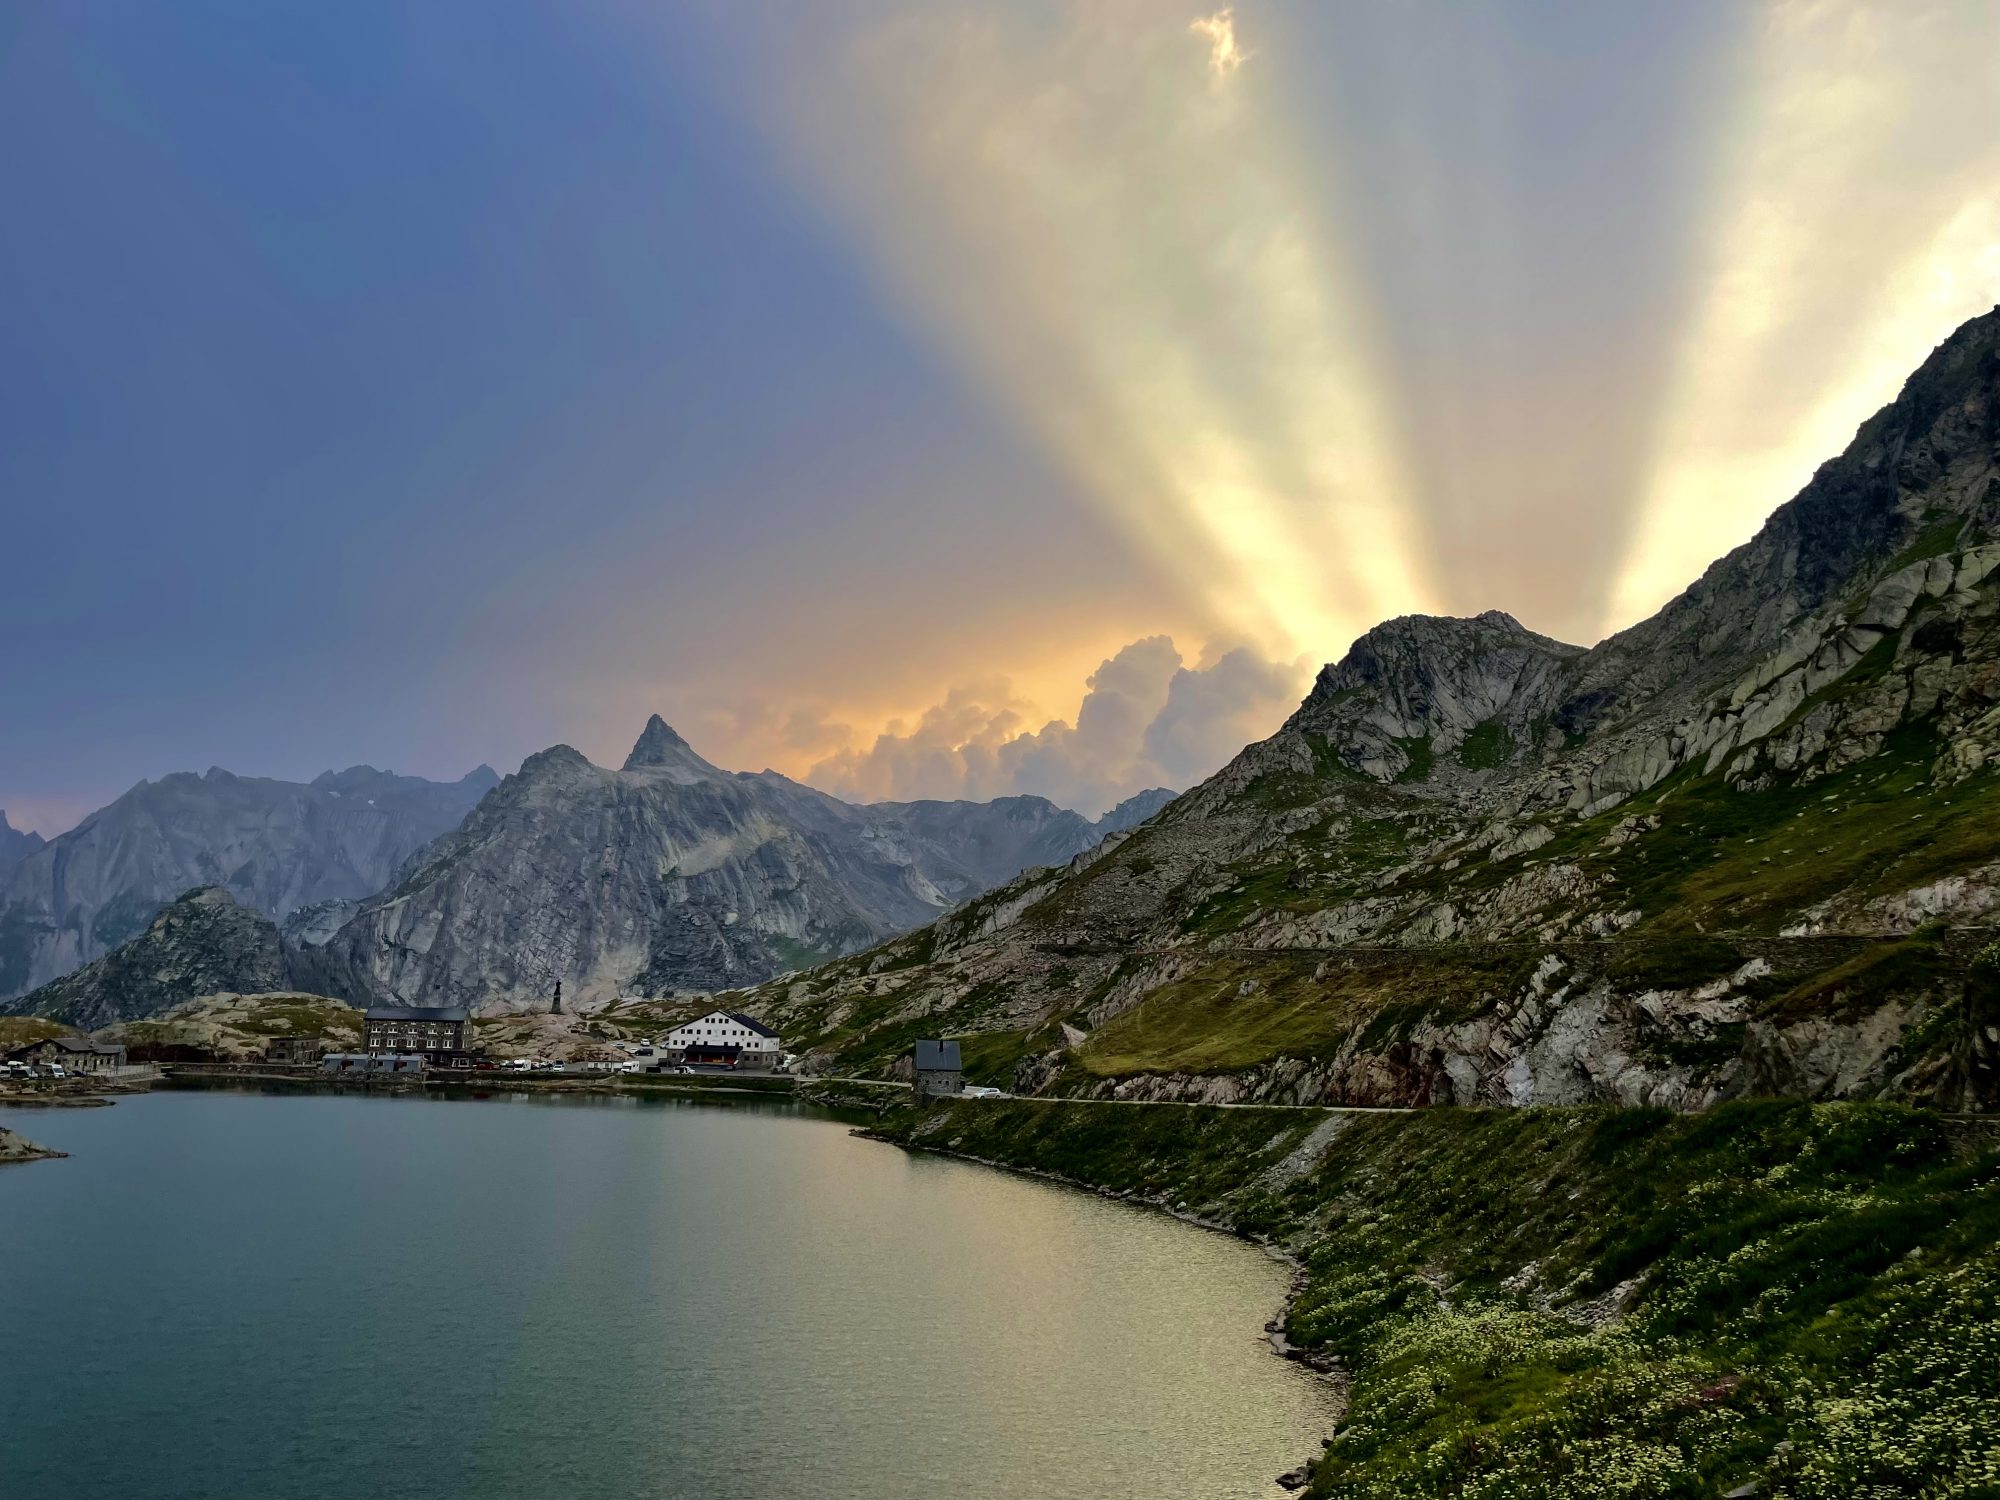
(55,1070)
(17,1069)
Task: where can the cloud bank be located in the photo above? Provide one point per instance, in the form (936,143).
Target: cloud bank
(1148,718)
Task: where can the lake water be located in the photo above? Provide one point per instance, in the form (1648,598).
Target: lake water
(229,1294)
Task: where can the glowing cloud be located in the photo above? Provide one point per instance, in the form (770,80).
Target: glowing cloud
(1147,719)
(1224,56)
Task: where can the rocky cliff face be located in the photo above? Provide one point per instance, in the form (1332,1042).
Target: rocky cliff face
(670,874)
(15,845)
(202,943)
(1751,844)
(274,845)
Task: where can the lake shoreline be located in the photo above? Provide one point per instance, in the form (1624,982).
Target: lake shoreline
(1328,1369)
(605,1220)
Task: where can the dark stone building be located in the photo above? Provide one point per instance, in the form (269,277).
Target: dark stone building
(294,1049)
(939,1073)
(441,1033)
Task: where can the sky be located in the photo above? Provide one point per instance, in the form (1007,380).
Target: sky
(920,397)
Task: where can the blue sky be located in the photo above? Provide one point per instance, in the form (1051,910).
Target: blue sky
(851,382)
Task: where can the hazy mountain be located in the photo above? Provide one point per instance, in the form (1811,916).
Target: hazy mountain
(1719,852)
(201,943)
(15,845)
(274,845)
(671,874)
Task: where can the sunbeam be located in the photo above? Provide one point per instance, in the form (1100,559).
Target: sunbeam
(1857,222)
(1100,214)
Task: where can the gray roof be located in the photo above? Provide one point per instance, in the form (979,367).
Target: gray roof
(942,1054)
(752,1022)
(418,1013)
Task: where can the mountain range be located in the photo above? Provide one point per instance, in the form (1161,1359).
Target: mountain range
(274,845)
(672,875)
(666,876)
(1751,844)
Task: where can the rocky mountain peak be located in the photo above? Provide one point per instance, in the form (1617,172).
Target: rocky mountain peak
(15,845)
(1135,809)
(1421,684)
(659,745)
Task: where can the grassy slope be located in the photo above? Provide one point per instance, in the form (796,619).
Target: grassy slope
(241,1025)
(18,1031)
(1823,1277)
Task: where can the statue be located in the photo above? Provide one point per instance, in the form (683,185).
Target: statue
(556,1008)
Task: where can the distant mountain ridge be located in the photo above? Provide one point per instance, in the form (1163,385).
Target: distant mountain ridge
(200,943)
(274,845)
(15,845)
(671,874)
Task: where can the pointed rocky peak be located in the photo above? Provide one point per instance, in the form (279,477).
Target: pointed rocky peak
(1134,810)
(16,844)
(658,745)
(481,778)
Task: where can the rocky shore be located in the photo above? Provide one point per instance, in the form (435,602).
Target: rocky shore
(1521,1302)
(17,1147)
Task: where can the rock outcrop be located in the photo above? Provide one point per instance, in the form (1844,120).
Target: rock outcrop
(1747,845)
(17,1147)
(202,943)
(672,875)
(274,845)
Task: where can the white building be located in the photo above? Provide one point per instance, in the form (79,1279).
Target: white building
(755,1044)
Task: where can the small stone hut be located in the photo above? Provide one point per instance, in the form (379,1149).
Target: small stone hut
(939,1072)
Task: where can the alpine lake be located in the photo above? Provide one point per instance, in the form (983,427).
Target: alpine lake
(226,1293)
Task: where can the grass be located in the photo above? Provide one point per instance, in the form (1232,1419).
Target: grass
(1206,1023)
(1327,866)
(1674,963)
(1418,759)
(1751,861)
(1915,966)
(18,1031)
(1821,1277)
(1487,747)
(989,1057)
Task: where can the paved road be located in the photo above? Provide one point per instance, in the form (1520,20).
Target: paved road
(1322,1109)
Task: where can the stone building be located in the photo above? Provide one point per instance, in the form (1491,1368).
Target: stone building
(441,1033)
(939,1073)
(74,1054)
(294,1049)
